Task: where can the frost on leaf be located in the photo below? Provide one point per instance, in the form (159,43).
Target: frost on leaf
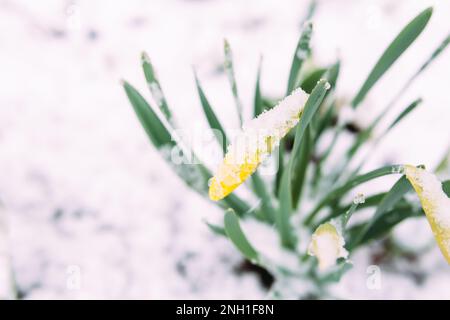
(256,141)
(327,245)
(157,93)
(435,203)
(359,199)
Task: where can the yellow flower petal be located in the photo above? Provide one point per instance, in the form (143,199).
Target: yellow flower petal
(257,140)
(327,244)
(435,203)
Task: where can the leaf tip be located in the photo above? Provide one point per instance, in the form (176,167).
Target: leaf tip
(145,58)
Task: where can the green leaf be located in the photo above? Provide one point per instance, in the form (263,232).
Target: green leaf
(234,232)
(310,12)
(411,79)
(371,201)
(302,51)
(400,188)
(436,53)
(383,225)
(350,184)
(285,191)
(211,117)
(332,74)
(229,70)
(446,187)
(404,113)
(325,121)
(300,155)
(155,129)
(263,194)
(312,105)
(337,272)
(311,79)
(234,202)
(258,100)
(404,39)
(216,229)
(364,136)
(348,214)
(280,163)
(194,175)
(444,163)
(155,87)
(282,220)
(299,168)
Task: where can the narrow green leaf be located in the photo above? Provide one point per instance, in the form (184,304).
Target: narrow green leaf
(371,201)
(237,204)
(332,74)
(384,224)
(310,12)
(269,103)
(194,175)
(312,104)
(411,79)
(261,191)
(258,107)
(326,120)
(337,272)
(229,69)
(302,52)
(348,214)
(404,39)
(364,136)
(299,160)
(234,232)
(299,168)
(436,53)
(444,163)
(280,165)
(211,117)
(285,191)
(350,184)
(400,188)
(282,220)
(311,79)
(155,87)
(446,187)
(404,113)
(155,129)
(216,229)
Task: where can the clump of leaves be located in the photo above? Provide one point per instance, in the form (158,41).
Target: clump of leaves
(311,199)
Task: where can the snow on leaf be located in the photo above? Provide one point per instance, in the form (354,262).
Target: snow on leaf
(257,140)
(435,203)
(327,245)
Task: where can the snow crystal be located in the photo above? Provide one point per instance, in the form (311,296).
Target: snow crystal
(398,169)
(359,199)
(302,54)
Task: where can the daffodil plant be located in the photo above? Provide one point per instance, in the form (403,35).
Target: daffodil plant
(306,206)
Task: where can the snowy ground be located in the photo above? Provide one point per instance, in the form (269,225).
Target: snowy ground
(88,208)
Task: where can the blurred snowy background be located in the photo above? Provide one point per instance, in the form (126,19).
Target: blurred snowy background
(88,209)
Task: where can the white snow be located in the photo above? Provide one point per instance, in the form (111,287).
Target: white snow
(81,187)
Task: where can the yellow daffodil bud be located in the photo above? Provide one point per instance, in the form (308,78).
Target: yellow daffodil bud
(256,141)
(327,245)
(435,203)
